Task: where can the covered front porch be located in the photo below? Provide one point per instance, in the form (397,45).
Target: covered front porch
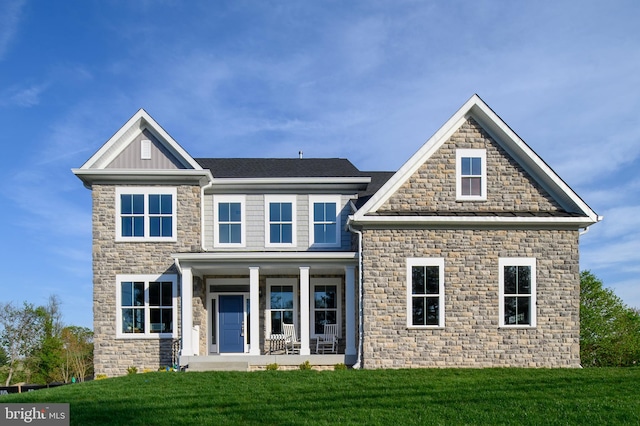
(235,306)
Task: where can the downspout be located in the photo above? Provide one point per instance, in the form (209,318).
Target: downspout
(358,365)
(203,244)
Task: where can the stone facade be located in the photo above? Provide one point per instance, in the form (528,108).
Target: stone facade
(433,187)
(113,356)
(471,336)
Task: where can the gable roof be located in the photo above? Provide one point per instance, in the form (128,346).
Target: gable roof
(579,213)
(100,167)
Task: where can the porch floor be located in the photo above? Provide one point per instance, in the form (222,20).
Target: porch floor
(242,362)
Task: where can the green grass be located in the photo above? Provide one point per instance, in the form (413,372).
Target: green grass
(447,396)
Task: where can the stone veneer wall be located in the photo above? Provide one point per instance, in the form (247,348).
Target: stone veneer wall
(433,186)
(113,356)
(471,336)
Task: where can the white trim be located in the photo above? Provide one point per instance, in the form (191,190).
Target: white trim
(267,312)
(337,282)
(268,199)
(503,135)
(145,149)
(146,279)
(217,199)
(425,261)
(476,220)
(336,199)
(517,261)
(471,153)
(146,191)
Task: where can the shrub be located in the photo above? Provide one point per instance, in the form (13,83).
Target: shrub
(132,370)
(340,366)
(101,376)
(272,367)
(305,365)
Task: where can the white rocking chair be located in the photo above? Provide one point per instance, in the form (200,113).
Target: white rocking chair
(292,344)
(328,340)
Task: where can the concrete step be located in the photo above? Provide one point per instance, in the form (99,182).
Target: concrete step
(218,366)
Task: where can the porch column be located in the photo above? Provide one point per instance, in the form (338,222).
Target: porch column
(304,311)
(254,297)
(350,309)
(187,312)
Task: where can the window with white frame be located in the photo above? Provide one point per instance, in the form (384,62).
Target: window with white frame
(281,308)
(517,292)
(280,220)
(146,214)
(425,292)
(147,306)
(471,174)
(326,304)
(229,218)
(324,221)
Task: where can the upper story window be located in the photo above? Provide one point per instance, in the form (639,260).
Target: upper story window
(147,306)
(280,222)
(146,214)
(471,174)
(425,292)
(230,222)
(324,221)
(517,292)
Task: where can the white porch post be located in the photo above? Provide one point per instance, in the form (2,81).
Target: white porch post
(350,309)
(254,322)
(187,312)
(304,311)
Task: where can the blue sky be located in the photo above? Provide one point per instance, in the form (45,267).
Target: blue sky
(367,80)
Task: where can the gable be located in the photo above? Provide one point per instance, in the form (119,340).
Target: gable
(159,157)
(432,188)
(520,188)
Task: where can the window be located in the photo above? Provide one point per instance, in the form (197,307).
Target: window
(517,292)
(145,214)
(326,304)
(324,223)
(281,304)
(471,174)
(425,292)
(229,218)
(280,223)
(147,306)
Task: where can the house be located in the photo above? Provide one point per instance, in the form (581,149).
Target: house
(467,256)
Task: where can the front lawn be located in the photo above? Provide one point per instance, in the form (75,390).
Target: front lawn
(390,397)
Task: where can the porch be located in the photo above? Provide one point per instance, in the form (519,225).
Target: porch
(260,362)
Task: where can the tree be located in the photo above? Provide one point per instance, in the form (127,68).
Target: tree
(609,330)
(78,353)
(21,333)
(46,359)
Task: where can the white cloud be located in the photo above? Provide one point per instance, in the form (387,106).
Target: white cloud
(10,14)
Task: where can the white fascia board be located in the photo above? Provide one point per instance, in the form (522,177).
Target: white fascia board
(469,220)
(140,121)
(416,160)
(91,176)
(265,257)
(346,183)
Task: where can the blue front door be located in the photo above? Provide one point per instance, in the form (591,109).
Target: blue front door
(231,324)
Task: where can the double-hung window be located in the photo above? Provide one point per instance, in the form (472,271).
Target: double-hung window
(229,217)
(146,214)
(471,174)
(324,221)
(425,292)
(517,292)
(326,304)
(147,306)
(281,308)
(280,222)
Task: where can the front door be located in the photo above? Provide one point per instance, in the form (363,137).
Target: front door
(231,323)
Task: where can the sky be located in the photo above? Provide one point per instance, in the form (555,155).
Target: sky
(370,81)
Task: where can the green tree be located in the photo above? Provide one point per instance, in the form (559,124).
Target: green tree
(78,353)
(21,334)
(609,330)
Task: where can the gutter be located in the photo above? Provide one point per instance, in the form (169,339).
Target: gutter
(202,232)
(358,363)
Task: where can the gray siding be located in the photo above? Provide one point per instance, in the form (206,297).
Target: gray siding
(161,158)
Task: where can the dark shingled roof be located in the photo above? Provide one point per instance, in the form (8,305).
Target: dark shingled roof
(279,167)
(377,180)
